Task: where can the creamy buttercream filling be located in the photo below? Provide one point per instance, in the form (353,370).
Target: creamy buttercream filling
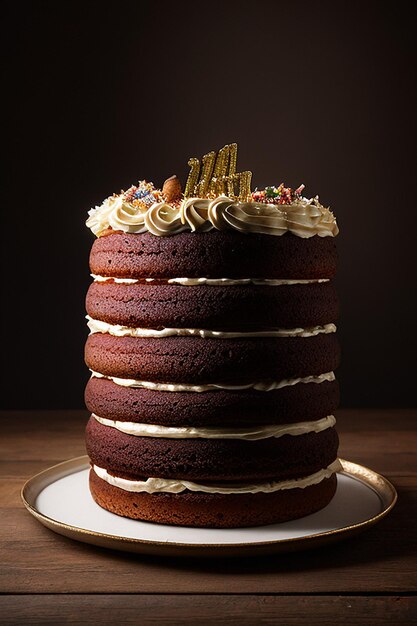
(250,433)
(267,385)
(272,282)
(116,330)
(164,485)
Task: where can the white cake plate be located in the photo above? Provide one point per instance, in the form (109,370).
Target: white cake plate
(59,498)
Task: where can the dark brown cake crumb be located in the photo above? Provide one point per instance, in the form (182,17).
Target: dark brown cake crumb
(218,254)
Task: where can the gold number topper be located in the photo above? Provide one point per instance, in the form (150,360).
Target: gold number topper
(217,176)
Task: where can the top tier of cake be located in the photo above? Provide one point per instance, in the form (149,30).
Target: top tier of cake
(216,197)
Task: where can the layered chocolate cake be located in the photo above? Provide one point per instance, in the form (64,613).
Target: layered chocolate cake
(212,351)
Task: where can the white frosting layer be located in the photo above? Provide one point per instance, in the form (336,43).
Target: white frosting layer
(252,433)
(303,217)
(158,485)
(97,326)
(268,385)
(271,282)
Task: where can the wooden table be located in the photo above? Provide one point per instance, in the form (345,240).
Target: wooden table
(46,578)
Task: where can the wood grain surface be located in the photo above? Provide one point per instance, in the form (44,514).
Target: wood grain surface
(46,578)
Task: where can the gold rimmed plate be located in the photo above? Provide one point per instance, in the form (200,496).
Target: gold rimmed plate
(60,499)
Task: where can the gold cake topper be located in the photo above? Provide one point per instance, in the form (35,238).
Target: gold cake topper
(216,176)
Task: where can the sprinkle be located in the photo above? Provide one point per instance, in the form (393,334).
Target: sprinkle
(276,195)
(142,195)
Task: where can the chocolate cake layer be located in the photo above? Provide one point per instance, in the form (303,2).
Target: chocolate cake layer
(213,254)
(195,360)
(214,510)
(215,307)
(210,459)
(296,403)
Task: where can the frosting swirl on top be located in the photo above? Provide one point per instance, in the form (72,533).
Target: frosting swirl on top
(194,214)
(118,214)
(163,219)
(302,217)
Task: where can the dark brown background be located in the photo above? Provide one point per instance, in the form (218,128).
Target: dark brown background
(314,92)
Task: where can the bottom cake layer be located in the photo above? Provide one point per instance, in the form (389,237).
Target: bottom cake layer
(214,510)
